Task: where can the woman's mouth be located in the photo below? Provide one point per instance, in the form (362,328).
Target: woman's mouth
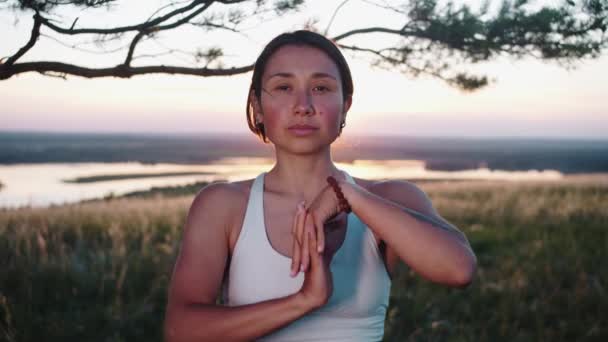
(302,130)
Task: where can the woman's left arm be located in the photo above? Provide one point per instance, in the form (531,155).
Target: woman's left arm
(403,217)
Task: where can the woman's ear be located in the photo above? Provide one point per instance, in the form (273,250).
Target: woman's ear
(347,102)
(255,105)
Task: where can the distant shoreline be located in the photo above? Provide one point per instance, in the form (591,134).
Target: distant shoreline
(189,135)
(565,155)
(191,189)
(102,178)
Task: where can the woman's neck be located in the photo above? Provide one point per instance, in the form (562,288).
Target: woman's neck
(301,176)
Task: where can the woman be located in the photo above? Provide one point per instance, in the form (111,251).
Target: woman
(304,251)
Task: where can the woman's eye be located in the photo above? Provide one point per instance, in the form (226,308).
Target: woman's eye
(282,87)
(321,89)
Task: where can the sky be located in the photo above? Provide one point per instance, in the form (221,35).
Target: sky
(529,98)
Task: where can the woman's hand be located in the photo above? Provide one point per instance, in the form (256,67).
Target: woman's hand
(318,282)
(298,249)
(321,212)
(324,208)
(300,258)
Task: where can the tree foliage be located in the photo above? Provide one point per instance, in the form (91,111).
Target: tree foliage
(435,38)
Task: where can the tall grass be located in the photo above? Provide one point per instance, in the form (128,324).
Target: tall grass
(99,271)
(540,249)
(90,272)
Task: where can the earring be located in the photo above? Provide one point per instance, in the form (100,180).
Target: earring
(342,124)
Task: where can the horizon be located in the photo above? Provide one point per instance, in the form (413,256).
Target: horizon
(345,135)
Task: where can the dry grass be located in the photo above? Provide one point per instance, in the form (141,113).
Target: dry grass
(99,271)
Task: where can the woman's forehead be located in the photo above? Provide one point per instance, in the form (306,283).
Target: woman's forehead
(295,60)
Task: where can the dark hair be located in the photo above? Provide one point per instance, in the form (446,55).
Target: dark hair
(301,37)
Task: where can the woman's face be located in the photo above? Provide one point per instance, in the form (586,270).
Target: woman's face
(301,85)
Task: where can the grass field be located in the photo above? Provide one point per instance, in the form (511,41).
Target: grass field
(98,271)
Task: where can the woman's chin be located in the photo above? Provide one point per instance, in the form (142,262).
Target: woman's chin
(304,147)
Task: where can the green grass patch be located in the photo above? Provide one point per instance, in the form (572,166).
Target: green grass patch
(104,178)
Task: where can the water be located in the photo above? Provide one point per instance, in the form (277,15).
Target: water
(40,185)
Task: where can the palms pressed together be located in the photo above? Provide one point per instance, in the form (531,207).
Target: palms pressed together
(318,230)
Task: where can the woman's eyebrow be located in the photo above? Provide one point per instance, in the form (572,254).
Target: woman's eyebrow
(323,75)
(290,75)
(280,74)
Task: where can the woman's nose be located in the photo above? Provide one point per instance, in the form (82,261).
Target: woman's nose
(303,103)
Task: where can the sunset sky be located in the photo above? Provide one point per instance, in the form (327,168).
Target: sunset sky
(529,98)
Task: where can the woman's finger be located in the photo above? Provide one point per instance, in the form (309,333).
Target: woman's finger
(295,249)
(297,245)
(320,238)
(312,248)
(300,237)
(305,253)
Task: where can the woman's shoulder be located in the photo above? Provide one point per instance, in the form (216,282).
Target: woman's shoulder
(223,192)
(227,203)
(223,200)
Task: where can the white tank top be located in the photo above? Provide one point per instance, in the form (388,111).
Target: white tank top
(361,286)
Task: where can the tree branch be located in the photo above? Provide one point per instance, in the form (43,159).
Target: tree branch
(432,39)
(123,29)
(394,61)
(33,38)
(134,42)
(121,70)
(460,80)
(147,31)
(216,26)
(78,48)
(334,16)
(372,30)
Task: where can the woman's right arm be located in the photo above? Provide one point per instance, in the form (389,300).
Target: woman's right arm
(192,314)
